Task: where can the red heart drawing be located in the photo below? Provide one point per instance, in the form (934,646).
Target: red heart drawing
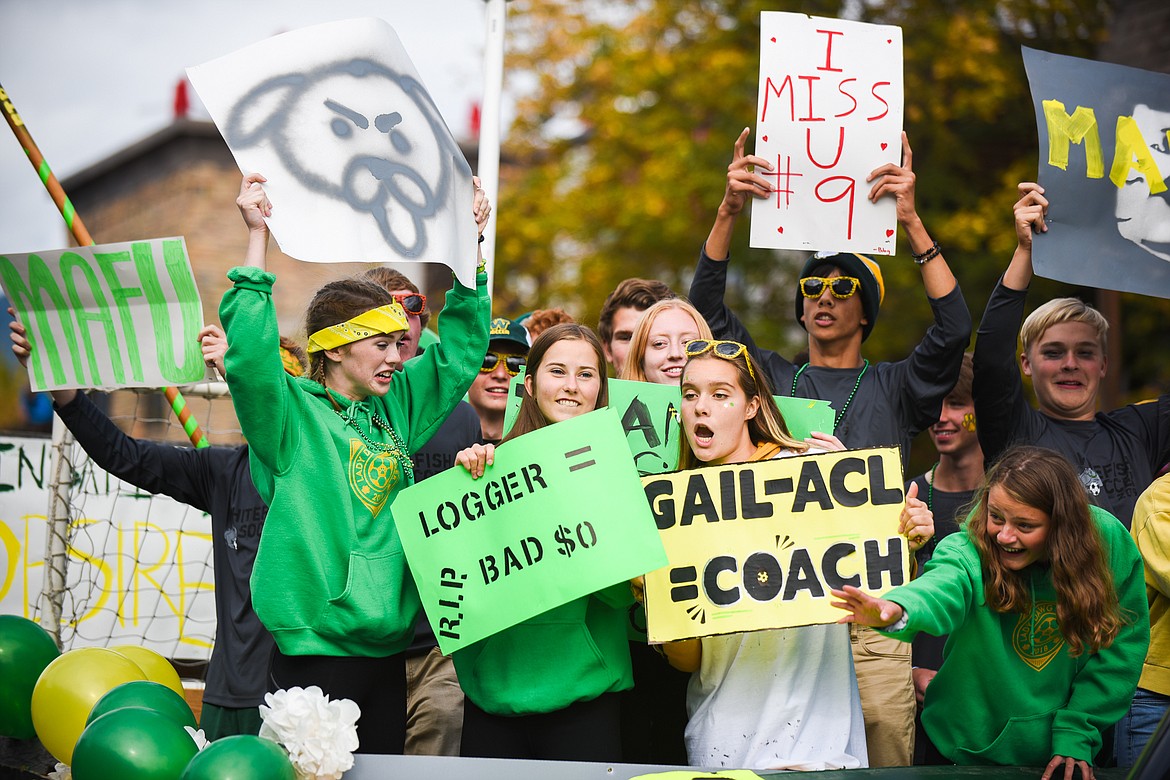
(884,145)
(888,40)
(773,40)
(889,233)
(765,138)
(780,230)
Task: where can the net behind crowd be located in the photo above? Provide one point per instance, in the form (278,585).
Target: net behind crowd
(123,566)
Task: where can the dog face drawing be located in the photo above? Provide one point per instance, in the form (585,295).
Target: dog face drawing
(360,133)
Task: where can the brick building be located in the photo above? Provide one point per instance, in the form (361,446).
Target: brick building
(183,181)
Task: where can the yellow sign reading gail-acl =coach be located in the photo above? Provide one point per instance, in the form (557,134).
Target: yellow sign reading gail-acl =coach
(760,545)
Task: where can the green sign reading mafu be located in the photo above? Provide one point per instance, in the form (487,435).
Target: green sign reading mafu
(115,315)
(559,515)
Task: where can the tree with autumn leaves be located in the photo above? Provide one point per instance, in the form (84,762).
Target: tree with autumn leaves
(618,156)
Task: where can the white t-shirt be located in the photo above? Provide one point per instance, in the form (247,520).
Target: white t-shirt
(778,699)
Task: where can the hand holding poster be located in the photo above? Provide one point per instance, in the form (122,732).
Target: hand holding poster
(107,316)
(1104,162)
(829,112)
(559,515)
(360,166)
(649,415)
(760,545)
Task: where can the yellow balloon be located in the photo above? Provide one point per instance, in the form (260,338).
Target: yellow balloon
(154,666)
(67,690)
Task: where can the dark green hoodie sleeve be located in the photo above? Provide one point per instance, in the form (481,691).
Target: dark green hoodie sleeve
(434,382)
(1102,689)
(938,601)
(261,389)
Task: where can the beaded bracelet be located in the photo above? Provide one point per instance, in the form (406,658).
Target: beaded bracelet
(931,253)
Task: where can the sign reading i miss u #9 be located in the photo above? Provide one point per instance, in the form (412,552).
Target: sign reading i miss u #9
(114,315)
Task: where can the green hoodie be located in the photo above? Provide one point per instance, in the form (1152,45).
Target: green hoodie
(574,652)
(330,577)
(1008,692)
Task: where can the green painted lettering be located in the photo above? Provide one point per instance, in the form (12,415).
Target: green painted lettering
(184,285)
(71,264)
(121,295)
(28,300)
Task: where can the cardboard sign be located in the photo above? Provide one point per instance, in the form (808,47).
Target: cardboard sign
(650,417)
(114,315)
(760,545)
(559,515)
(360,164)
(829,112)
(1104,161)
(140,568)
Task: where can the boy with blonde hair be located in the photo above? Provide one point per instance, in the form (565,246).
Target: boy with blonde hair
(1116,454)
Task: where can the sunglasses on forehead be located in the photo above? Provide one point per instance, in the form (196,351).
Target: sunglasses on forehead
(512,363)
(840,286)
(728,350)
(411,303)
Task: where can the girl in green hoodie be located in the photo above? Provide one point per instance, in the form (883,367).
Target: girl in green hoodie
(546,688)
(329,453)
(1043,597)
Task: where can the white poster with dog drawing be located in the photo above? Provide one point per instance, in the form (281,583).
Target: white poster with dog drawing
(360,165)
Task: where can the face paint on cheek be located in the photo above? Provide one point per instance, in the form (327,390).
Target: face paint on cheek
(969,422)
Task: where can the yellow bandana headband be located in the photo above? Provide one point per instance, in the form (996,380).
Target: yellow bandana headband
(384,319)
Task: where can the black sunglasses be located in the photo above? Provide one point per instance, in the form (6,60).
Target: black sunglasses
(412,303)
(512,363)
(840,286)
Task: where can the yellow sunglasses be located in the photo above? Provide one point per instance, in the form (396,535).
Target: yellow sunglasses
(728,350)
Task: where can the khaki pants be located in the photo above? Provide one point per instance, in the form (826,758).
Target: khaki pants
(434,706)
(887,695)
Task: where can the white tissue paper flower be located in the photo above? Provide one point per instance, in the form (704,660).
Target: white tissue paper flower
(61,772)
(198,736)
(320,735)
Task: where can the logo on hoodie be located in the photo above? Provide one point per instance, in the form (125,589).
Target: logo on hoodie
(372,475)
(1037,638)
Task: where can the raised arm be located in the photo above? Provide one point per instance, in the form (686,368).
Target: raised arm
(433,383)
(898,182)
(1030,210)
(261,390)
(998,389)
(254,206)
(709,283)
(742,183)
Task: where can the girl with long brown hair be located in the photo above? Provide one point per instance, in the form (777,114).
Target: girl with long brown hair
(546,688)
(1044,599)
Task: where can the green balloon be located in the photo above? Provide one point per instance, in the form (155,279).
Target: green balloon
(25,650)
(242,757)
(146,694)
(132,743)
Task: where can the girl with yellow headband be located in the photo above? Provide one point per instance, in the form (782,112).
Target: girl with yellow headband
(329,453)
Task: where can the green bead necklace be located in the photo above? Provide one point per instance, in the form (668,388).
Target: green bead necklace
(841,414)
(396,447)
